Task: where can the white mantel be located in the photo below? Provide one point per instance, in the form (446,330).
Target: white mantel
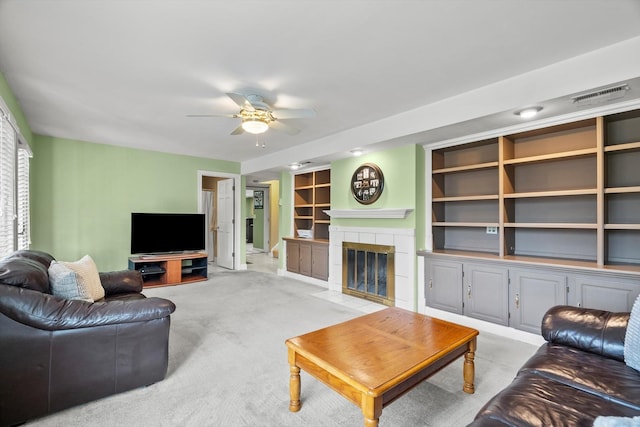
(369,213)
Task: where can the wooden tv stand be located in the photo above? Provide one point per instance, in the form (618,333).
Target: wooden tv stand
(170,269)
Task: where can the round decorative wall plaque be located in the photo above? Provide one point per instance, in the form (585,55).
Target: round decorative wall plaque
(367,183)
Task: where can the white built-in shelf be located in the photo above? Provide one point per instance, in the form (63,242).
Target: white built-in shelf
(466,198)
(623,147)
(615,190)
(466,168)
(465,224)
(622,226)
(578,226)
(554,193)
(369,213)
(565,155)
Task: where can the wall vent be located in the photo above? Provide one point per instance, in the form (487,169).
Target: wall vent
(603,95)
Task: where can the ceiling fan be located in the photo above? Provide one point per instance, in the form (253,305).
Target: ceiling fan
(257,116)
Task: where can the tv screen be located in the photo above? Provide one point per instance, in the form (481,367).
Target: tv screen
(157,233)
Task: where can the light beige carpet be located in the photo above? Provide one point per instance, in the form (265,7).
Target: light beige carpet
(228,366)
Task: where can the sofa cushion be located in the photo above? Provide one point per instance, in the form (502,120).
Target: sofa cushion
(42,257)
(593,374)
(24,273)
(88,276)
(534,400)
(632,338)
(65,283)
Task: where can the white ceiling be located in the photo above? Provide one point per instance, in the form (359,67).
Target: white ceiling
(377,72)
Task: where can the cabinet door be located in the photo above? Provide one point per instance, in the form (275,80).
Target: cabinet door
(320,261)
(293,256)
(617,295)
(443,287)
(532,293)
(305,258)
(486,293)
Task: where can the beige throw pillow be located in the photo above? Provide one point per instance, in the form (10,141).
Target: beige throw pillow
(64,283)
(88,276)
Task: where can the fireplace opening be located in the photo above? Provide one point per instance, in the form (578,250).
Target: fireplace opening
(368,272)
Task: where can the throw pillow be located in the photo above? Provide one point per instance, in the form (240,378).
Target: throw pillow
(632,338)
(65,283)
(603,421)
(88,276)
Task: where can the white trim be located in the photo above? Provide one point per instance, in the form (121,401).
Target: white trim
(369,213)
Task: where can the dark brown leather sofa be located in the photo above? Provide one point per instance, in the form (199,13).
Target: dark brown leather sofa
(57,353)
(578,375)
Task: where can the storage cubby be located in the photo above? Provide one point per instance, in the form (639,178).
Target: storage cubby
(566,192)
(465,188)
(311,196)
(622,189)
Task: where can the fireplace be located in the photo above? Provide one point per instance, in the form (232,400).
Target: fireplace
(368,271)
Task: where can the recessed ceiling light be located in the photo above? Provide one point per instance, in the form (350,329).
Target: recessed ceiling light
(295,166)
(357,152)
(527,113)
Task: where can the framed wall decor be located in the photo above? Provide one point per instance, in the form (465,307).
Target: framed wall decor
(258,199)
(367,183)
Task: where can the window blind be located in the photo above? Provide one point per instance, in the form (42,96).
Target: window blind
(7,186)
(14,186)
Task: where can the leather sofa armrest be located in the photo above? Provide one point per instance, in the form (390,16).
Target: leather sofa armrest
(120,282)
(596,331)
(44,311)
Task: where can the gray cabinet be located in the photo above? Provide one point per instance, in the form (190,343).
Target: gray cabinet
(308,257)
(443,287)
(320,261)
(604,293)
(486,292)
(518,294)
(532,293)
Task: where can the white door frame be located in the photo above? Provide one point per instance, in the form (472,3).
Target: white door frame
(236,208)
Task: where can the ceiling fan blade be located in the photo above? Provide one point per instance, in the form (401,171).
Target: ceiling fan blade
(241,100)
(237,131)
(233,116)
(284,127)
(292,113)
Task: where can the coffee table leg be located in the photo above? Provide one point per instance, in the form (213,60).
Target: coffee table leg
(294,388)
(371,409)
(469,370)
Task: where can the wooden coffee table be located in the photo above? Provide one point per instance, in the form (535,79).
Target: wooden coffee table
(374,359)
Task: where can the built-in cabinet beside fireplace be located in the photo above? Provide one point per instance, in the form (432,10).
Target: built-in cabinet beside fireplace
(526,221)
(307,251)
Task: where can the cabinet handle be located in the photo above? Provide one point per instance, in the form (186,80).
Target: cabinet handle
(430,283)
(469,291)
(517,300)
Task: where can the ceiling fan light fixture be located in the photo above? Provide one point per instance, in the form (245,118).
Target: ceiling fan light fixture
(254,126)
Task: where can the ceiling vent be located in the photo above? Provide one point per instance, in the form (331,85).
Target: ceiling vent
(601,96)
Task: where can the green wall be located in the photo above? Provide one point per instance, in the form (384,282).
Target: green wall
(403,170)
(82,195)
(285,226)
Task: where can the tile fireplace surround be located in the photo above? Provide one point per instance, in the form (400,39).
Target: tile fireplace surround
(403,239)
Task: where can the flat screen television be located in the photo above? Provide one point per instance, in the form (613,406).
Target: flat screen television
(159,233)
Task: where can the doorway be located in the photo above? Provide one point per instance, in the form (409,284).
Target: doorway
(219,199)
